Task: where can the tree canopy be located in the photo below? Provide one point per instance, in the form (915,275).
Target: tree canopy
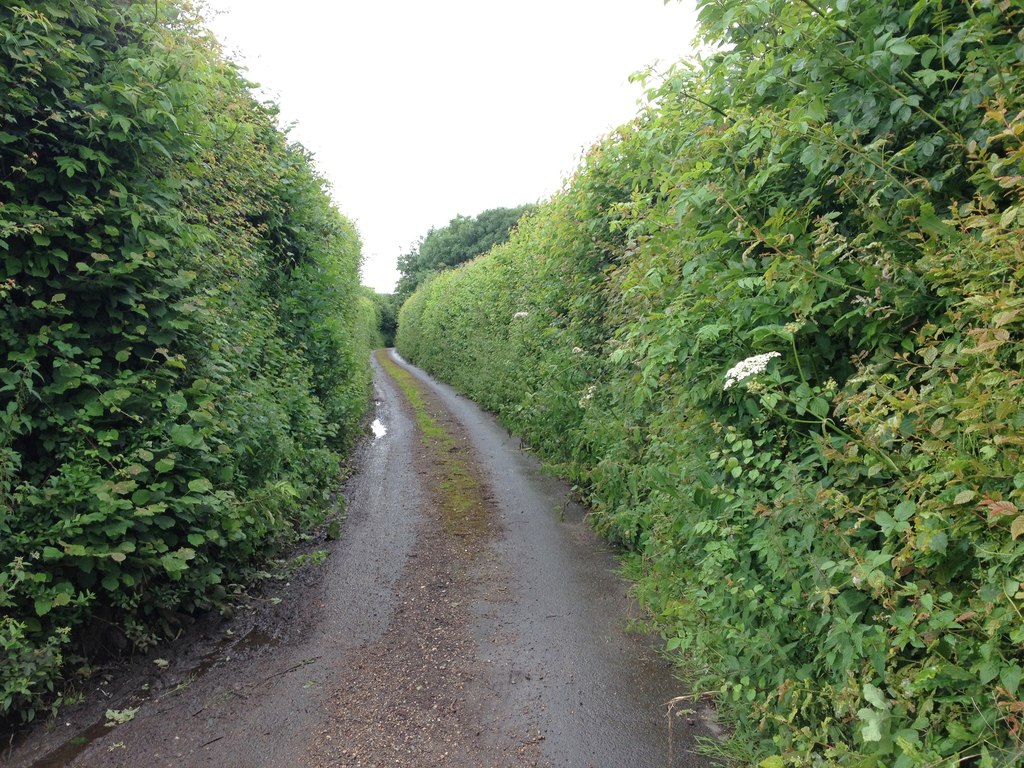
(462,239)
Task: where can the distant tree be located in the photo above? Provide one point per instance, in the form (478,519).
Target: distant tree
(387,315)
(461,240)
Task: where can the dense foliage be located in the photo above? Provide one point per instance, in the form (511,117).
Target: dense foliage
(387,305)
(183,343)
(462,239)
(834,545)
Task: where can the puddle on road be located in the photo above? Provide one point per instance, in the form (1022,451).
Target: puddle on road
(379,430)
(255,639)
(73,747)
(76,745)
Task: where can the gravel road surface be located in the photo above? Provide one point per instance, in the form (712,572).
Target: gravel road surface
(500,640)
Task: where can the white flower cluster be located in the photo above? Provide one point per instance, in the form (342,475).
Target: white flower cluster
(518,315)
(577,350)
(749,367)
(587,396)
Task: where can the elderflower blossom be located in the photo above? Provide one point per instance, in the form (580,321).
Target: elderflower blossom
(794,327)
(749,367)
(518,315)
(577,350)
(587,396)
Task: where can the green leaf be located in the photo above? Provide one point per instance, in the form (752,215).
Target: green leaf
(70,166)
(176,404)
(819,407)
(988,671)
(200,485)
(173,564)
(872,720)
(875,696)
(901,47)
(885,522)
(934,541)
(120,716)
(932,224)
(816,110)
(1010,678)
(964,496)
(122,122)
(183,435)
(904,510)
(43,606)
(165,465)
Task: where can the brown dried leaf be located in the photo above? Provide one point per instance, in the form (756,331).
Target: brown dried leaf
(997,509)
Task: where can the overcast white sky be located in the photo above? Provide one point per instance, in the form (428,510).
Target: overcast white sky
(418,110)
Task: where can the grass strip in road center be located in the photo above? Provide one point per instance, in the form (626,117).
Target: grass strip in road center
(459,492)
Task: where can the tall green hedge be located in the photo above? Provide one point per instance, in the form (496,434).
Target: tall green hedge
(834,546)
(183,342)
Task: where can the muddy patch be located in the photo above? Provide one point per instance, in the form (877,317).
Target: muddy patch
(150,684)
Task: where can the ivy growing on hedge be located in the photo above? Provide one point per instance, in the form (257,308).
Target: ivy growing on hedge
(834,545)
(183,342)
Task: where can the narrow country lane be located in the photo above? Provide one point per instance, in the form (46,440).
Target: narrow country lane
(467,616)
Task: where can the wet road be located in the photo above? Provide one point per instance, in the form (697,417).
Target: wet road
(560,657)
(411,645)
